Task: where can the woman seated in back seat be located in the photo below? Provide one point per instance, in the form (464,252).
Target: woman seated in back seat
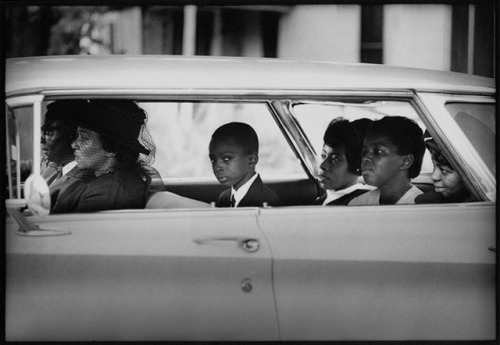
(448,185)
(393,151)
(339,170)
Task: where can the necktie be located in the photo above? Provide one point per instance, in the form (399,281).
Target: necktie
(232,201)
(56,174)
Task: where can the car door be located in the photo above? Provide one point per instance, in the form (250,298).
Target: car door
(136,274)
(141,275)
(416,272)
(392,272)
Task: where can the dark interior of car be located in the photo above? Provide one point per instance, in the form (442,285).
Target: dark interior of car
(297,192)
(291,193)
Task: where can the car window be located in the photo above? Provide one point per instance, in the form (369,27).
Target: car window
(477,121)
(24,120)
(314,117)
(182,132)
(20,150)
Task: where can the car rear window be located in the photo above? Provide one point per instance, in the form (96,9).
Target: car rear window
(477,121)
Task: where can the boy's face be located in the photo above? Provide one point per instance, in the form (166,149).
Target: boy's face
(333,170)
(231,166)
(381,163)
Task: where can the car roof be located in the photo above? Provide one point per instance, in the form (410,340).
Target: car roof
(169,73)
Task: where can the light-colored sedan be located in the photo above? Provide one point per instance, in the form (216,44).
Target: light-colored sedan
(179,271)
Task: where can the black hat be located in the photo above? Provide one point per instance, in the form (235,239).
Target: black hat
(67,111)
(436,153)
(120,120)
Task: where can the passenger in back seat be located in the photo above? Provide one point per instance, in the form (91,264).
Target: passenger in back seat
(339,170)
(393,152)
(234,153)
(448,185)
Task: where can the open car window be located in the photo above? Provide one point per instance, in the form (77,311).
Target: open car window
(314,118)
(182,132)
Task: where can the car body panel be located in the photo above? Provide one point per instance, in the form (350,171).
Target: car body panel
(350,280)
(121,276)
(215,74)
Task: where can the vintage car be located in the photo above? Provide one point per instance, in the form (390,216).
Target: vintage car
(183,269)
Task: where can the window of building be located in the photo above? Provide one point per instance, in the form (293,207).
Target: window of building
(472,41)
(372,18)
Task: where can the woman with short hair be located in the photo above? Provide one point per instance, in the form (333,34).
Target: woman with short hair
(339,169)
(448,185)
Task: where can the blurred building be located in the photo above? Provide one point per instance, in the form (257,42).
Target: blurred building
(437,36)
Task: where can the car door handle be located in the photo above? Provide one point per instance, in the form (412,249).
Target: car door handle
(247,244)
(492,249)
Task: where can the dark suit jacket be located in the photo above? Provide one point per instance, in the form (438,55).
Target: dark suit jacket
(343,200)
(120,189)
(75,175)
(256,195)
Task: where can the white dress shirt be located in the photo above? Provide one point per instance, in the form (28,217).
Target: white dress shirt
(242,191)
(336,194)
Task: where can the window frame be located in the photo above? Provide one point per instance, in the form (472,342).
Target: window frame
(478,178)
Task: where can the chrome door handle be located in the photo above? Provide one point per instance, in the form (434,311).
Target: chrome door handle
(250,245)
(247,244)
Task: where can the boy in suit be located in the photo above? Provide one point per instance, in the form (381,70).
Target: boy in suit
(234,153)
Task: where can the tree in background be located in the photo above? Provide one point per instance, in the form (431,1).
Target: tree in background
(27,30)
(95,33)
(58,30)
(66,30)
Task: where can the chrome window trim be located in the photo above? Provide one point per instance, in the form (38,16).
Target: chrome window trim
(223,94)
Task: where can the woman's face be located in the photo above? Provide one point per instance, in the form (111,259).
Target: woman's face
(89,153)
(333,170)
(381,162)
(446,180)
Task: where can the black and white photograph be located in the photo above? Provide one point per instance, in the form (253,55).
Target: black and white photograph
(222,171)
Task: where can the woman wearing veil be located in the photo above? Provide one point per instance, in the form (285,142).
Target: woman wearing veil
(115,145)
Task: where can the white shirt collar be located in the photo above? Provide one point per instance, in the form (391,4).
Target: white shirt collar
(336,194)
(242,191)
(68,167)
